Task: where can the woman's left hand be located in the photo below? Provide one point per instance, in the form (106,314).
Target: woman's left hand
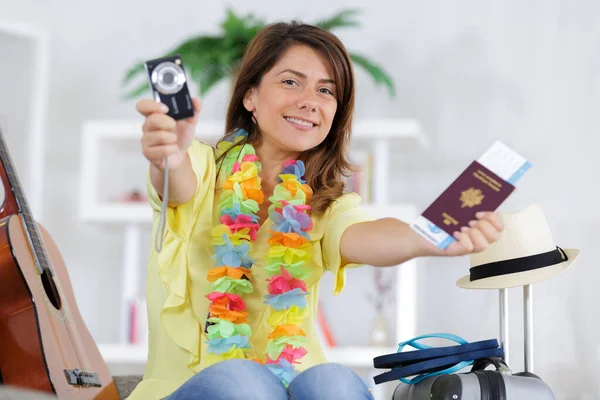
(478,236)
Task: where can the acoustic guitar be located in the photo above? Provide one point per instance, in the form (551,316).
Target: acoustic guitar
(44,343)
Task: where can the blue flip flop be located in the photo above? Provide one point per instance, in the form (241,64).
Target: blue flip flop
(425,352)
(428,361)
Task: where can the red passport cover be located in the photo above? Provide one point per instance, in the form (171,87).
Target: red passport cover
(476,189)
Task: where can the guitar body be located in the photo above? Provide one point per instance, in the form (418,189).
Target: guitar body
(36,344)
(44,343)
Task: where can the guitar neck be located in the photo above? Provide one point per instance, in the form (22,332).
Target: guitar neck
(15,202)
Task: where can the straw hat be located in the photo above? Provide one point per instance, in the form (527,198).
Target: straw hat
(525,253)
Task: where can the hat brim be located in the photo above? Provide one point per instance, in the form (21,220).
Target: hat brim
(520,278)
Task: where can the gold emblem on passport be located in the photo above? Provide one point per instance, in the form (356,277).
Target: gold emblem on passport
(471,197)
(448,219)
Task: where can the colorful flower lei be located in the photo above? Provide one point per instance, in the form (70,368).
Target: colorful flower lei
(287,263)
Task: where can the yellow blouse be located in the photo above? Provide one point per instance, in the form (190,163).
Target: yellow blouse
(176,284)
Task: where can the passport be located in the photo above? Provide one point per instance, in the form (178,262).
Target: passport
(483,186)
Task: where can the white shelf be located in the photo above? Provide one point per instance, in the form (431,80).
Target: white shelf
(123,354)
(117,213)
(128,133)
(404,212)
(29,135)
(350,356)
(132,129)
(389,129)
(142,213)
(211,130)
(21,29)
(122,137)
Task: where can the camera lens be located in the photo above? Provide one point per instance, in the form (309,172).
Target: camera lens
(168,78)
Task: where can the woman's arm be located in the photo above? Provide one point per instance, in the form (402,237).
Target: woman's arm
(389,241)
(163,138)
(182,182)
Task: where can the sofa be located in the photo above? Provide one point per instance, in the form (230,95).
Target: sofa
(125,385)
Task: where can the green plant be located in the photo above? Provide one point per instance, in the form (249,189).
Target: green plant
(210,59)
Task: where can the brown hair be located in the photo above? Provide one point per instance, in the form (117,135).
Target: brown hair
(326,164)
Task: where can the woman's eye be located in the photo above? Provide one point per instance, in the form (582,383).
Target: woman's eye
(289,81)
(326,91)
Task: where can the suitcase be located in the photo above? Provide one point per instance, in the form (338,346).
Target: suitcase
(480,383)
(499,384)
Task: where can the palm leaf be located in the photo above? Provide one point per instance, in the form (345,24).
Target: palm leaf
(375,71)
(209,59)
(200,52)
(208,65)
(196,52)
(204,43)
(238,32)
(340,20)
(199,44)
(211,75)
(241,28)
(133,71)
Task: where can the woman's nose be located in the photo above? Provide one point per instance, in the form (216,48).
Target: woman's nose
(308,103)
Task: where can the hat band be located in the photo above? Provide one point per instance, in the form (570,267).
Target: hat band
(516,265)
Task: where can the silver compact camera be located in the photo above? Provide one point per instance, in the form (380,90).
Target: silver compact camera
(169,85)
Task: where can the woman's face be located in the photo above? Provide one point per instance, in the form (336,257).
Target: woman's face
(295,102)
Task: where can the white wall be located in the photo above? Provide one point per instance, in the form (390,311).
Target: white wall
(471,71)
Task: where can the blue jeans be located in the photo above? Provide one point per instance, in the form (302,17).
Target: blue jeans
(241,379)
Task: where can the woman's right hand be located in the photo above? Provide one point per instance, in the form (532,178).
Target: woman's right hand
(163,136)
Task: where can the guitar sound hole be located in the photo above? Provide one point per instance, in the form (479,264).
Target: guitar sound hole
(51,289)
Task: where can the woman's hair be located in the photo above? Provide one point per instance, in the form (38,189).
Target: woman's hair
(326,164)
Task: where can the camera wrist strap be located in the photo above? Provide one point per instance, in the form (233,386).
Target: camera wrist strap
(160,230)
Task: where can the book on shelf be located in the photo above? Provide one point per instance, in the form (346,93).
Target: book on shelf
(323,329)
(138,322)
(360,180)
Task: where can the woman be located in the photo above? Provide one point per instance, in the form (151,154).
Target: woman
(252,225)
